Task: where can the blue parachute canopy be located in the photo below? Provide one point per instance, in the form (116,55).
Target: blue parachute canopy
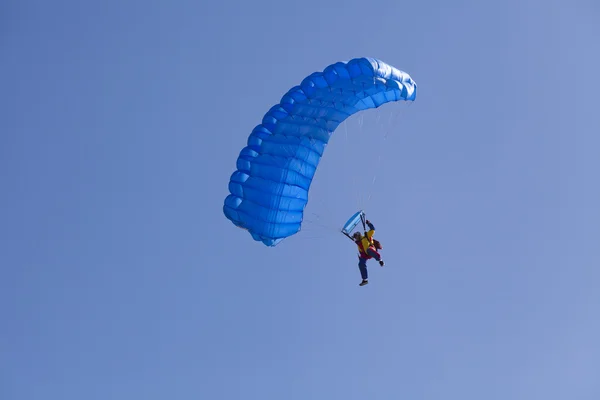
(269,189)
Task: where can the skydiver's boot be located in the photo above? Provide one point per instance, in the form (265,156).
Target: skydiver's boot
(364,282)
(381,263)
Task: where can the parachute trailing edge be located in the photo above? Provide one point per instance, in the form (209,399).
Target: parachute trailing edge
(269,189)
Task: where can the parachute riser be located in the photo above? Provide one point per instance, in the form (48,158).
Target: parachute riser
(348,236)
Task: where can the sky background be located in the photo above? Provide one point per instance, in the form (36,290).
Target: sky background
(120,124)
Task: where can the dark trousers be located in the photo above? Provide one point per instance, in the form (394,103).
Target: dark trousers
(362,262)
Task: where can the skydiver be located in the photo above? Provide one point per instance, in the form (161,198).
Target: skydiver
(367,249)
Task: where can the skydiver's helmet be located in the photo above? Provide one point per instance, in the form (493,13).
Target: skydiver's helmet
(356,235)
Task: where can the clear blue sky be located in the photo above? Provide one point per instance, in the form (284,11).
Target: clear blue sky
(121,279)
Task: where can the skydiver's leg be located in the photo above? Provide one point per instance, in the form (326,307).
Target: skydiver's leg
(375,255)
(362,266)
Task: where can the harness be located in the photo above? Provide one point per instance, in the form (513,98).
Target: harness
(372,244)
(352,222)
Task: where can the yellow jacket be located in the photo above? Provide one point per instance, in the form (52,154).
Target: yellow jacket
(366,241)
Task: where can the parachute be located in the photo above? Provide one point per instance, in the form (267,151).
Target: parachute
(269,189)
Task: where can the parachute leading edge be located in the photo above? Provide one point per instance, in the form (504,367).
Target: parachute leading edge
(269,189)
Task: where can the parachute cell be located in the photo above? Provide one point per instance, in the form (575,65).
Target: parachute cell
(269,189)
